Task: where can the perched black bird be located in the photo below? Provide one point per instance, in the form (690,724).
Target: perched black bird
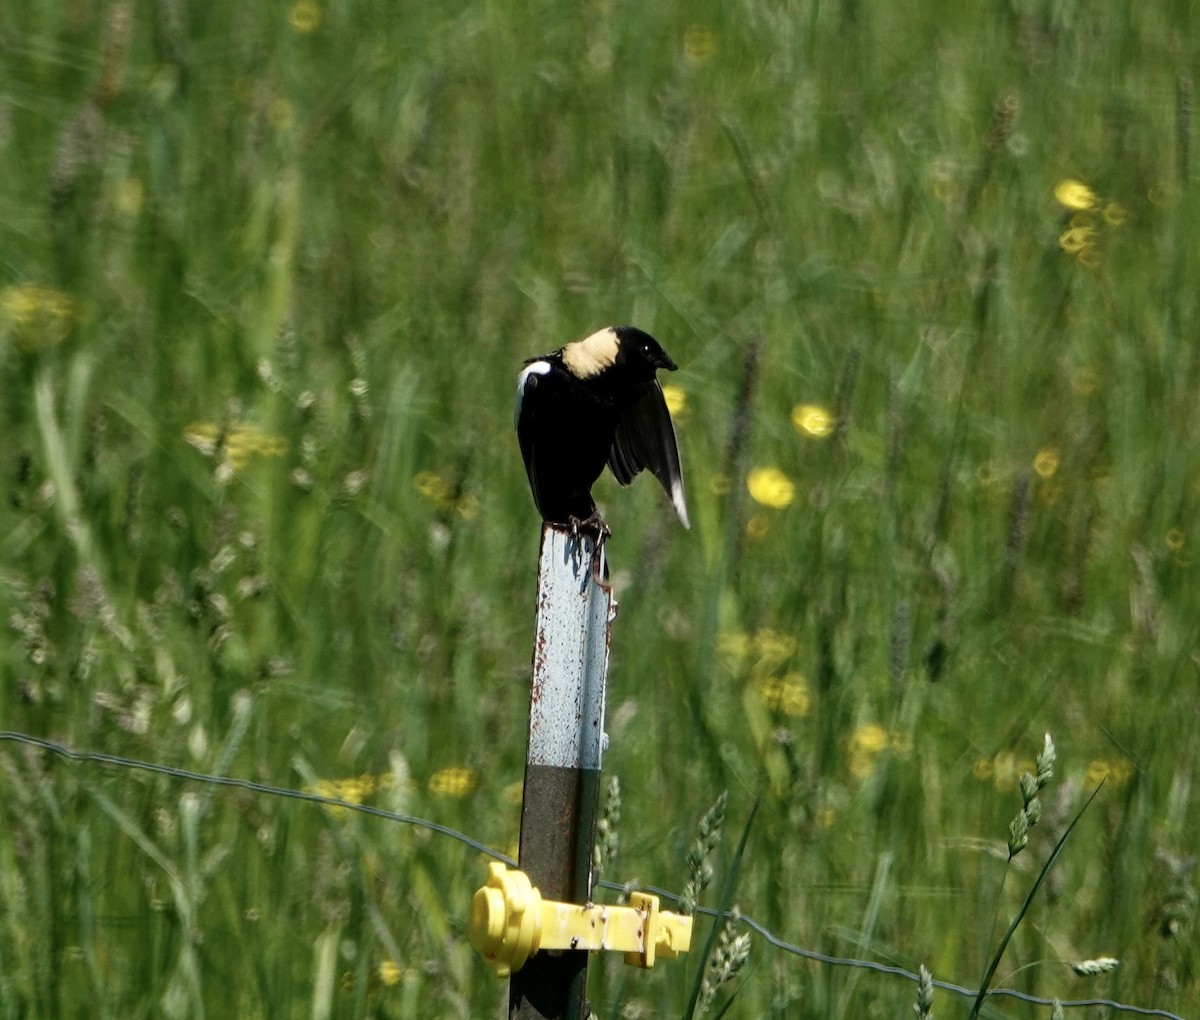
(596,400)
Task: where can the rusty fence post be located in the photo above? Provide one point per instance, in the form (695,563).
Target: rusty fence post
(575,609)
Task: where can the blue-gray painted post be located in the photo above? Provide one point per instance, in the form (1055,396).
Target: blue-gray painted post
(575,610)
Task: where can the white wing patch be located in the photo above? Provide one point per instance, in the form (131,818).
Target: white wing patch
(679,502)
(536,368)
(592,354)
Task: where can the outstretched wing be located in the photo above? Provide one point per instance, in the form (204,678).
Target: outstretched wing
(645,439)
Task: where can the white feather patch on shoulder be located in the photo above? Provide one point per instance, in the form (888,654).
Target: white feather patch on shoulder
(536,368)
(592,354)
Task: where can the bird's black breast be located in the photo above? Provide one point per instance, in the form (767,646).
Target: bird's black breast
(565,427)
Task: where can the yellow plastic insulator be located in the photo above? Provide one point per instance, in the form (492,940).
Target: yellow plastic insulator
(505,919)
(510,922)
(667,934)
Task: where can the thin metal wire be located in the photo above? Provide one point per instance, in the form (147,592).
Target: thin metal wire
(245,784)
(770,937)
(885,968)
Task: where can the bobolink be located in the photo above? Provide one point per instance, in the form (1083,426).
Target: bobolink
(594,401)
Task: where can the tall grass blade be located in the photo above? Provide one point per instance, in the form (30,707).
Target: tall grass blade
(1037,884)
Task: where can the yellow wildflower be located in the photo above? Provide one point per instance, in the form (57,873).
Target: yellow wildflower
(773,646)
(787,695)
(243,441)
(1120,770)
(870,738)
(1113,773)
(204,436)
(720,485)
(1007,770)
(699,44)
(128,197)
(254,440)
(1004,770)
(41,316)
(1114,214)
(1097,772)
(434,487)
(1074,240)
(1085,380)
(467,507)
(390,972)
(676,398)
(770,487)
(734,646)
(323,788)
(765,650)
(757,527)
(238,443)
(24,303)
(862,765)
(305,16)
(1047,461)
(1075,194)
(813,420)
(353,790)
(982,768)
(866,743)
(455,781)
(944,189)
(442,493)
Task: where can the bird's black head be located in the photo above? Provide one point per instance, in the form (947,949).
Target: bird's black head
(641,350)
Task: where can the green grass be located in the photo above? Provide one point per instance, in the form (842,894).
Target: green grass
(337,245)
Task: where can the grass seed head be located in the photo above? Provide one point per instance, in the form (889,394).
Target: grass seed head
(1018,834)
(924,1004)
(728,957)
(699,855)
(1046,761)
(1100,965)
(604,849)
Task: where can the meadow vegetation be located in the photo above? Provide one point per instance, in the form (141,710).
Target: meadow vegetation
(267,274)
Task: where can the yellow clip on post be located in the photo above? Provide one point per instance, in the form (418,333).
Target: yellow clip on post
(510,922)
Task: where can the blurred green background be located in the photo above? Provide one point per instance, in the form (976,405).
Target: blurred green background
(267,273)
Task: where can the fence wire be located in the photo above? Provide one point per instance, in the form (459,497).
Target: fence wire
(117,761)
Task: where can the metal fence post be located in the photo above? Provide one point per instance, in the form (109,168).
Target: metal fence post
(575,608)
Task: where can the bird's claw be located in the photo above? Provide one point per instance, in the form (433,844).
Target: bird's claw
(593,525)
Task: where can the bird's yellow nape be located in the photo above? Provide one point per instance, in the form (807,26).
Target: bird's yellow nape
(592,355)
